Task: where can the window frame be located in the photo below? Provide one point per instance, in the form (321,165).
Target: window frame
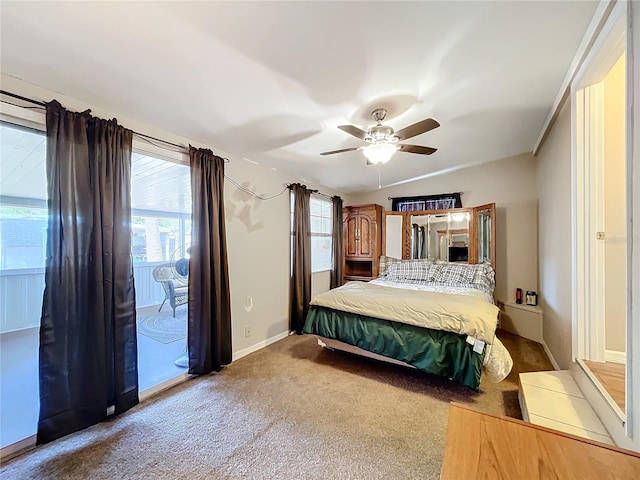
(321,199)
(311,233)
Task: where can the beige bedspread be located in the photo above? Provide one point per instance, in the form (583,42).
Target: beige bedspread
(460,314)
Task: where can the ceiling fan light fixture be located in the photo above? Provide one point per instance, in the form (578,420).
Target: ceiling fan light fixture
(379,152)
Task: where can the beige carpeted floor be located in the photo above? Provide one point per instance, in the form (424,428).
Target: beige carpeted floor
(289,411)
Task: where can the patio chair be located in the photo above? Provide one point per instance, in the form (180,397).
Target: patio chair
(175,286)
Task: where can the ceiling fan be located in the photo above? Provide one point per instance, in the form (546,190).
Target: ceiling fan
(382,139)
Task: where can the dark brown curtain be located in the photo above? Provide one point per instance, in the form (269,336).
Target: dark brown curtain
(209,330)
(88,350)
(337,245)
(301,257)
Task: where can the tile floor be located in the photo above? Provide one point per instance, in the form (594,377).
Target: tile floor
(19,402)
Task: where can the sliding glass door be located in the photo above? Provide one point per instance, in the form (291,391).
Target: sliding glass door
(161,229)
(23,227)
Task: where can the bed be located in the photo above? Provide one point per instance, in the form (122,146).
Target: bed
(438,317)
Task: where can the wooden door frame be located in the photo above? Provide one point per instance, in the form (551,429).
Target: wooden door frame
(589,296)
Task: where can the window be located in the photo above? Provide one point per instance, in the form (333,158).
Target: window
(24,236)
(161,200)
(321,234)
(155,239)
(23,193)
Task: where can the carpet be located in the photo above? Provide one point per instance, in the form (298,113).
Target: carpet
(288,411)
(162,327)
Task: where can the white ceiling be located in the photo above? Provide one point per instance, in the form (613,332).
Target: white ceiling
(271,81)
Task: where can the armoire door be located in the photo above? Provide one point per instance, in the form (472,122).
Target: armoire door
(351,235)
(366,234)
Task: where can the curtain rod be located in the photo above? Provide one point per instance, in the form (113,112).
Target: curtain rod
(42,104)
(323,194)
(20,97)
(316,191)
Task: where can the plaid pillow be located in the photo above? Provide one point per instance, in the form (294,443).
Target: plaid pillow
(432,271)
(484,278)
(385,262)
(422,270)
(407,270)
(455,273)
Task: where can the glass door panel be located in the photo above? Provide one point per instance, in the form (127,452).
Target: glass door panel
(161,224)
(23,231)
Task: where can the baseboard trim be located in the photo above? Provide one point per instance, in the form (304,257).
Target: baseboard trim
(550,355)
(614,356)
(18,448)
(260,345)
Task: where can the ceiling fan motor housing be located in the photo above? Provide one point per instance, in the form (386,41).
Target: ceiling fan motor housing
(379,114)
(380,133)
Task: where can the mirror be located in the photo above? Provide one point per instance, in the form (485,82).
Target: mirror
(484,219)
(392,238)
(440,236)
(464,235)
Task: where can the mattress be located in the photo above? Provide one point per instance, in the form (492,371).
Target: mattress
(442,330)
(432,351)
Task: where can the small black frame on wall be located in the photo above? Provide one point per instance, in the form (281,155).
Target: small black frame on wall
(532,298)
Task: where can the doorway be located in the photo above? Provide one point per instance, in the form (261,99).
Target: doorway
(161,240)
(601,220)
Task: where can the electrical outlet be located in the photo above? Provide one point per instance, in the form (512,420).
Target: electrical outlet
(247,332)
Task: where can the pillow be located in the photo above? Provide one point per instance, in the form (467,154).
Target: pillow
(484,278)
(165,273)
(422,270)
(456,273)
(385,262)
(484,274)
(407,270)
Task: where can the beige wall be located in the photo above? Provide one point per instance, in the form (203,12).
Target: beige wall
(258,235)
(510,184)
(614,208)
(554,238)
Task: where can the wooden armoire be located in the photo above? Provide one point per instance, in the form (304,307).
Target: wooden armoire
(362,230)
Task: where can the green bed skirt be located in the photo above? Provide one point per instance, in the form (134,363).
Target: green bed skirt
(433,351)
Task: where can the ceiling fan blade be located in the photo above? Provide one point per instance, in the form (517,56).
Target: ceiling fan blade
(342,150)
(417,149)
(417,129)
(353,130)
